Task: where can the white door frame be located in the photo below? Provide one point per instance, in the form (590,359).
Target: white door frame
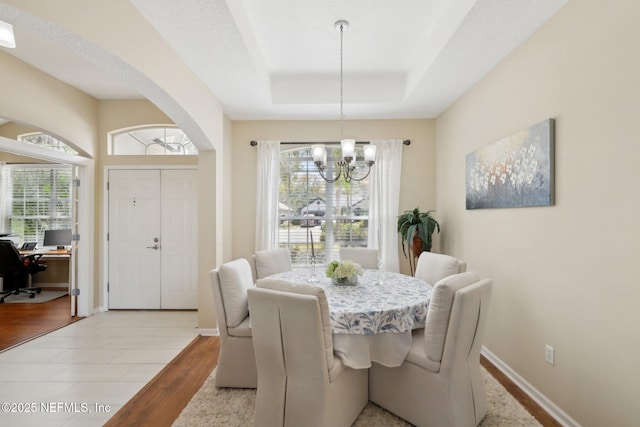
(105,220)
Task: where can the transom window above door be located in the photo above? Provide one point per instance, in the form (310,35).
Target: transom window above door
(150,141)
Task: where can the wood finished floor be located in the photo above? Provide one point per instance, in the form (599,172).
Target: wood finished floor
(160,402)
(23,322)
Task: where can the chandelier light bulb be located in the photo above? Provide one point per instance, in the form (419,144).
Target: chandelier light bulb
(348,149)
(319,153)
(370,153)
(7,38)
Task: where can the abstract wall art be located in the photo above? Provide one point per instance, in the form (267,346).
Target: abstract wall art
(517,171)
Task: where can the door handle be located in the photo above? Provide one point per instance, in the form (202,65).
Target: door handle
(156,247)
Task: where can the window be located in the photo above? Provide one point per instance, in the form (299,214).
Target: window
(149,141)
(38,198)
(334,215)
(47,141)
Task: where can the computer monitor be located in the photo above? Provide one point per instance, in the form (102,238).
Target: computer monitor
(58,238)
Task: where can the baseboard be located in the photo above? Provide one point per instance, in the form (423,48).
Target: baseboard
(57,285)
(535,394)
(208,332)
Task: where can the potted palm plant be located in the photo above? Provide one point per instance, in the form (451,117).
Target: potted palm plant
(416,229)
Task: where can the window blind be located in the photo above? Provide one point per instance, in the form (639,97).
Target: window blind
(38,199)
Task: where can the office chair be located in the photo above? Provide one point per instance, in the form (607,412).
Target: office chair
(18,269)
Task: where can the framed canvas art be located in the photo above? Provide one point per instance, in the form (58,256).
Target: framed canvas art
(517,171)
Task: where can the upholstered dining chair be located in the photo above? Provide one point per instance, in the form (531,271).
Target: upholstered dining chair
(432,267)
(440,383)
(271,262)
(366,257)
(236,361)
(300,381)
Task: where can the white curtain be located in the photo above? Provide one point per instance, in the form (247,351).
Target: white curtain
(384,201)
(268,181)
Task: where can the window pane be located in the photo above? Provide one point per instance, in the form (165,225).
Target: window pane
(332,214)
(47,141)
(39,199)
(150,141)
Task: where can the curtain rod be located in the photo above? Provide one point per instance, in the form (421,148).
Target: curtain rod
(254,143)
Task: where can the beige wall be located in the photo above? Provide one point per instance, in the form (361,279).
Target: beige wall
(12,130)
(418,177)
(62,111)
(214,222)
(207,235)
(16,158)
(561,274)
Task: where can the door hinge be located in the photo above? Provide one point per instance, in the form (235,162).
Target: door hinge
(107,185)
(107,236)
(107,286)
(76,182)
(75,292)
(75,237)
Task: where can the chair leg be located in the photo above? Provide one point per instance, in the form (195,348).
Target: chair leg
(9,284)
(29,291)
(26,287)
(18,286)
(4,295)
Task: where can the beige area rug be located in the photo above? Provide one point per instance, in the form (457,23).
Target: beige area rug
(44,296)
(233,407)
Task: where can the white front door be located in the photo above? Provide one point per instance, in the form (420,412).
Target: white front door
(134,239)
(153,239)
(179,270)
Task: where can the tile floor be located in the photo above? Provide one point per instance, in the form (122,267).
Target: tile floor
(84,373)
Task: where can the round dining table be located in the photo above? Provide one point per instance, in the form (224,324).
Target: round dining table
(371,321)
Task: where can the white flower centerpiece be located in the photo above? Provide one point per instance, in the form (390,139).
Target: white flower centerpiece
(344,273)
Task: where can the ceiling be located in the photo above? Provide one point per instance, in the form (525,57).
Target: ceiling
(280,59)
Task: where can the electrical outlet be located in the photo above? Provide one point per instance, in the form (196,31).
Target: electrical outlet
(549,355)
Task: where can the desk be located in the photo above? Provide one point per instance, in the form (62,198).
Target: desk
(371,322)
(57,273)
(63,252)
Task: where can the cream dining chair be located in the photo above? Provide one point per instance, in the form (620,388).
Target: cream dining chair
(432,267)
(367,258)
(236,361)
(440,383)
(271,262)
(300,381)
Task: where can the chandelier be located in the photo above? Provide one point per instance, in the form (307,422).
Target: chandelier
(346,167)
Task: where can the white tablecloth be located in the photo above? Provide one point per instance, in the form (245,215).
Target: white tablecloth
(371,322)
